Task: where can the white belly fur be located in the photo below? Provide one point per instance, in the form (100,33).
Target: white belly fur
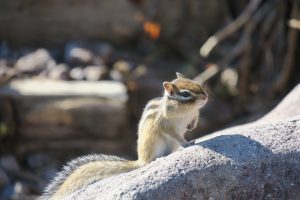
(182,123)
(166,145)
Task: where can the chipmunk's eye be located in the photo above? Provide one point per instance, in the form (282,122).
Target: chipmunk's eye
(186,94)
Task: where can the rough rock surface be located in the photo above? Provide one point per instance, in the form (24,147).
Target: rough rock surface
(256,161)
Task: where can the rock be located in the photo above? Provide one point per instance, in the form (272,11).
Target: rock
(36,88)
(95,73)
(4,70)
(83,117)
(77,55)
(9,164)
(123,66)
(20,189)
(87,53)
(35,61)
(288,107)
(4,180)
(259,160)
(59,72)
(3,63)
(77,73)
(121,71)
(69,115)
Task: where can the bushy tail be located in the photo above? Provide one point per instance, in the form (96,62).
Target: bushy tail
(84,171)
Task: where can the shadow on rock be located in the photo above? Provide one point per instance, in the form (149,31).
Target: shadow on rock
(237,147)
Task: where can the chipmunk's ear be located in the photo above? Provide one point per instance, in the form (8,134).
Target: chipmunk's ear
(179,75)
(169,88)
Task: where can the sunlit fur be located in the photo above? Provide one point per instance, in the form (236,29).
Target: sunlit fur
(161,131)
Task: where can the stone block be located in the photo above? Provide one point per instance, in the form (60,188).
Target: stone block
(63,110)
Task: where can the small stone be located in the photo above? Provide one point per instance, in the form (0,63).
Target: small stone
(59,72)
(77,73)
(20,188)
(122,66)
(35,61)
(3,62)
(9,163)
(78,55)
(121,70)
(87,53)
(4,70)
(4,180)
(95,73)
(116,75)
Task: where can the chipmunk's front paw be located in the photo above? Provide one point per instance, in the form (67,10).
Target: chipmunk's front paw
(191,126)
(188,144)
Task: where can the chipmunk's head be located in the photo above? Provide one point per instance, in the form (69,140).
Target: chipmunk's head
(186,91)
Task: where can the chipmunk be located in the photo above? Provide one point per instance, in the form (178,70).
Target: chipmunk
(161,131)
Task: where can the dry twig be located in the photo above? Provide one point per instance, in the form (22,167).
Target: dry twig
(230,28)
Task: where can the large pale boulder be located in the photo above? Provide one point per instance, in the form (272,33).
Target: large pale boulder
(259,160)
(64,114)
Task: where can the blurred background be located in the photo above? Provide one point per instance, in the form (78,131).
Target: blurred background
(75,75)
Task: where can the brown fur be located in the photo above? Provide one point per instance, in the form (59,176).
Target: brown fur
(183,83)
